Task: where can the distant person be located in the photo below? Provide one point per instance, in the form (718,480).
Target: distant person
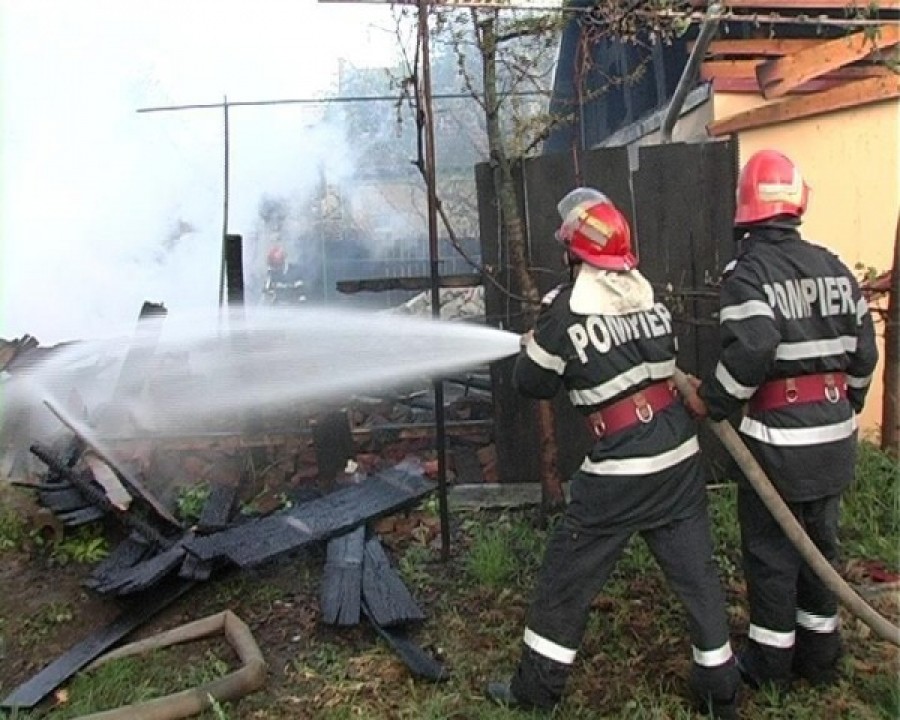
(798,346)
(284,281)
(609,343)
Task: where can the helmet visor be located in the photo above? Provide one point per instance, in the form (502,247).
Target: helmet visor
(577,197)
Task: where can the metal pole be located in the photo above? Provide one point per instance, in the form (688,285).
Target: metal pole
(425,110)
(689,74)
(224,209)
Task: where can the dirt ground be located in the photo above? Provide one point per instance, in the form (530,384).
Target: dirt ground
(44,610)
(326,673)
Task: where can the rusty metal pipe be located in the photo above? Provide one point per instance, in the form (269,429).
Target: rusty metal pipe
(794,531)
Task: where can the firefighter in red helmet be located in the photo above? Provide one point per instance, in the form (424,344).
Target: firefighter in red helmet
(798,348)
(607,341)
(276,258)
(284,280)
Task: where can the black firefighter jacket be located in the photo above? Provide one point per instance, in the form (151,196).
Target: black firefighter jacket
(641,477)
(789,308)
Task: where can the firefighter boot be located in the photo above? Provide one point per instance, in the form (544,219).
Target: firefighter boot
(720,709)
(717,690)
(538,683)
(758,666)
(816,657)
(501,693)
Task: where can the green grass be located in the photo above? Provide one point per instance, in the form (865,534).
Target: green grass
(87,545)
(190,501)
(41,624)
(503,551)
(138,679)
(870,520)
(12,528)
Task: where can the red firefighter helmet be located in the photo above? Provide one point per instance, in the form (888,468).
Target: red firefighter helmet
(769,185)
(276,257)
(594,231)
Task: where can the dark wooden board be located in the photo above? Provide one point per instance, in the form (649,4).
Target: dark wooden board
(261,540)
(218,508)
(420,663)
(388,600)
(340,593)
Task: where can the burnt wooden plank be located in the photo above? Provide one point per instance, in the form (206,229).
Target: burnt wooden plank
(388,600)
(129,479)
(673,232)
(333,444)
(264,539)
(341,590)
(145,574)
(420,663)
(230,441)
(133,615)
(126,555)
(477,381)
(81,516)
(195,569)
(407,283)
(218,508)
(133,372)
(83,480)
(63,500)
(467,466)
(234,269)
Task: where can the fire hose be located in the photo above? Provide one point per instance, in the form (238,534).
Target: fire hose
(757,478)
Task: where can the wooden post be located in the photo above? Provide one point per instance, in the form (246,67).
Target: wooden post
(890,412)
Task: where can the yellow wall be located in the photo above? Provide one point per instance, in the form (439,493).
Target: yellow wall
(851,161)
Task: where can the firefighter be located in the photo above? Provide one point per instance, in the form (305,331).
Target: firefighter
(798,346)
(606,340)
(284,281)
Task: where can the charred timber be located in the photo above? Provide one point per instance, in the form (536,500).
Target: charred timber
(259,541)
(96,497)
(349,287)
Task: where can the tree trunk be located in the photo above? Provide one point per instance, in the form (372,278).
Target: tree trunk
(890,413)
(552,497)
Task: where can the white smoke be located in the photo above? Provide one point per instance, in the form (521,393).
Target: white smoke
(93,191)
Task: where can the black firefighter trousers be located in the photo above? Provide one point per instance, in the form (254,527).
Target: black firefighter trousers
(577,565)
(793,615)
